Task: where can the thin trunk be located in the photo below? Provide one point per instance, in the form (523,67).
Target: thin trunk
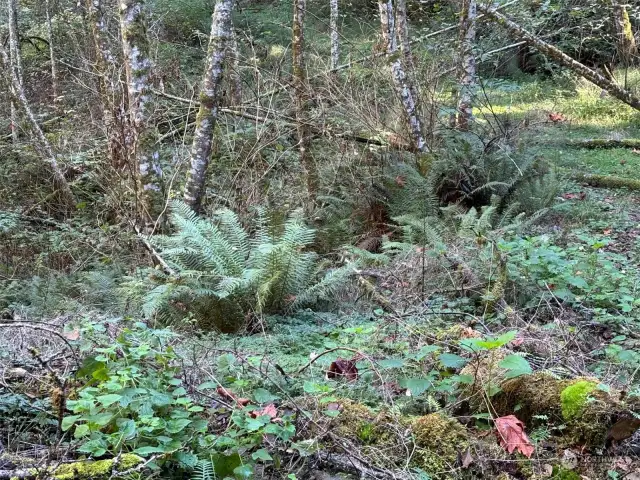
(302,103)
(563,59)
(42,144)
(402,29)
(335,40)
(627,48)
(15,63)
(467,63)
(111,93)
(400,80)
(235,81)
(52,56)
(210,98)
(141,144)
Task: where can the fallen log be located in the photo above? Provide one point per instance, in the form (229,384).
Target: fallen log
(608,181)
(605,143)
(558,56)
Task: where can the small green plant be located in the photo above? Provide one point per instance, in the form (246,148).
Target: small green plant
(132,399)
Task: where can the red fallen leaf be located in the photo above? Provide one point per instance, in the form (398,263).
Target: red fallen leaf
(557,117)
(607,231)
(516,342)
(229,395)
(511,436)
(574,196)
(270,410)
(401,181)
(343,368)
(72,335)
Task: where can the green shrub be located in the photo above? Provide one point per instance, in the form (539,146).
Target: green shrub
(132,400)
(221,273)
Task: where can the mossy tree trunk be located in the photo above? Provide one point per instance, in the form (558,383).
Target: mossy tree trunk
(15,63)
(401,82)
(563,59)
(111,92)
(41,143)
(55,89)
(302,104)
(142,136)
(402,30)
(627,49)
(468,75)
(335,39)
(210,97)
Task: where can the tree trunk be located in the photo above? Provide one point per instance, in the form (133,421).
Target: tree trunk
(400,80)
(141,143)
(15,63)
(210,98)
(111,92)
(402,29)
(302,103)
(235,80)
(335,39)
(42,144)
(55,90)
(627,48)
(467,63)
(563,59)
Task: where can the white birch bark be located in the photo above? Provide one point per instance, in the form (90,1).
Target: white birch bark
(142,141)
(52,56)
(468,75)
(335,39)
(15,63)
(563,59)
(400,80)
(302,104)
(42,144)
(210,97)
(111,92)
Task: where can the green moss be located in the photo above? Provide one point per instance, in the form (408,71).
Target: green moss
(438,440)
(574,398)
(609,181)
(95,469)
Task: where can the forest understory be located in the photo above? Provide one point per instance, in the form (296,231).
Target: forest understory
(290,240)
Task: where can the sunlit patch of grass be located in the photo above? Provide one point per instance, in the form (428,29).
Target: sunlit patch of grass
(622,162)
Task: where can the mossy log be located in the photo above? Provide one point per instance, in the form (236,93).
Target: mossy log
(81,470)
(608,181)
(605,143)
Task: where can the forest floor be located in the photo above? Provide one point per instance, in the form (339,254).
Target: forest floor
(365,371)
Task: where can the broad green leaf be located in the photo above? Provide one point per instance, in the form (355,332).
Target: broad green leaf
(416,386)
(391,363)
(110,399)
(243,471)
(451,360)
(176,426)
(145,451)
(67,422)
(261,454)
(262,395)
(81,430)
(516,366)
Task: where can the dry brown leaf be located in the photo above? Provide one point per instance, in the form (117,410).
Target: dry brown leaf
(511,436)
(269,410)
(467,459)
(343,368)
(72,334)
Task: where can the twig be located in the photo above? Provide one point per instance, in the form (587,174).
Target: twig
(44,329)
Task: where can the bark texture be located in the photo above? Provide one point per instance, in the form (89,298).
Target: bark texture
(42,144)
(111,92)
(563,59)
(400,80)
(627,48)
(335,40)
(210,98)
(55,89)
(15,63)
(302,103)
(468,76)
(141,143)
